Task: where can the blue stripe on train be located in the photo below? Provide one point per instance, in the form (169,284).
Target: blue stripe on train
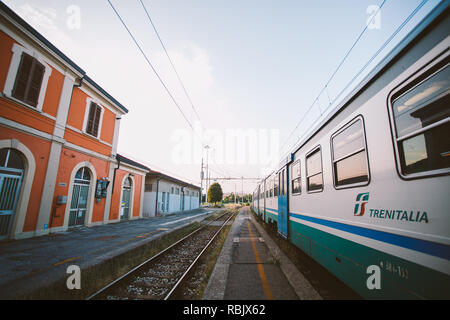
(428,247)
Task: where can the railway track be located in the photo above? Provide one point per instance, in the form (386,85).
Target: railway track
(161,275)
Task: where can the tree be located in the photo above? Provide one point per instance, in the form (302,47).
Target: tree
(215,193)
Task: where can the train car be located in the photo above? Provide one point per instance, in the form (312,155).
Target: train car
(260,201)
(271,209)
(366,193)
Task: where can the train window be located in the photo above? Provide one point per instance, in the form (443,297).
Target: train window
(349,155)
(314,178)
(275,188)
(278,184)
(269,185)
(422,126)
(295,182)
(282,182)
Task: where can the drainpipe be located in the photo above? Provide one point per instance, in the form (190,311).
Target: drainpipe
(81,82)
(77,86)
(114,176)
(156,201)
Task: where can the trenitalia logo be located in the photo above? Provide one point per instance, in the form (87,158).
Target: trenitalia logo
(387,213)
(360,206)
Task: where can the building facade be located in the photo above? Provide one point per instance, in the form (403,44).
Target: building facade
(59,130)
(164,194)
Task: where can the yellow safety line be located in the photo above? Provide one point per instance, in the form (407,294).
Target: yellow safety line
(262,274)
(65,261)
(145,234)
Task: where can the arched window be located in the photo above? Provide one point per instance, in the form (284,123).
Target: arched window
(10,158)
(83,176)
(11,176)
(127,183)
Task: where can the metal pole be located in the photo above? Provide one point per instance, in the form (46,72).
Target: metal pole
(242,189)
(201,185)
(156,204)
(207,172)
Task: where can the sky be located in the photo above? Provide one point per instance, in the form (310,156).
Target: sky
(252,69)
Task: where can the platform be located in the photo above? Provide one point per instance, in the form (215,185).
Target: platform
(252,267)
(30,264)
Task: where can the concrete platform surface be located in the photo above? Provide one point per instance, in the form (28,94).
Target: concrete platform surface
(252,267)
(30,264)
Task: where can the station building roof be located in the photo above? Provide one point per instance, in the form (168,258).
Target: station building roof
(160,175)
(126,160)
(48,46)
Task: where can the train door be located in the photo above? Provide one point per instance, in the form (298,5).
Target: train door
(283,213)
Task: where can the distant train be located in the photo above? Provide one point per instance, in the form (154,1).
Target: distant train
(370,185)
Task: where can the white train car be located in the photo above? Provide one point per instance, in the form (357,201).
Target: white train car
(368,190)
(271,205)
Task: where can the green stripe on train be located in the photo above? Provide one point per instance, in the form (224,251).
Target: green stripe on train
(348,260)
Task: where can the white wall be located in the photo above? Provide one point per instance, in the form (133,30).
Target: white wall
(149,204)
(190,202)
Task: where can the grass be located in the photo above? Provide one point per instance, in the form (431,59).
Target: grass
(209,260)
(211,256)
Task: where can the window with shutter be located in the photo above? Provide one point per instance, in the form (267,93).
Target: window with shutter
(93,121)
(28,81)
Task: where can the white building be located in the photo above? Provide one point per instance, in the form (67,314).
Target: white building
(172,195)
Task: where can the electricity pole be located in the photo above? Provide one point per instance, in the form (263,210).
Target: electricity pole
(201,184)
(207,172)
(242,189)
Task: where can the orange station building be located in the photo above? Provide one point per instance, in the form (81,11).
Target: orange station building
(59,166)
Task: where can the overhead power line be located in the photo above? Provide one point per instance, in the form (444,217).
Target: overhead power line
(170,60)
(151,65)
(385,44)
(334,73)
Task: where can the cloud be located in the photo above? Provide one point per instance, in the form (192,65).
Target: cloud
(45,20)
(193,66)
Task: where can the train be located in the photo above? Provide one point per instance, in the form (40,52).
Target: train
(366,193)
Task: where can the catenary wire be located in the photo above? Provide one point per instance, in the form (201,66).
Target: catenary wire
(170,60)
(334,73)
(383,46)
(151,65)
